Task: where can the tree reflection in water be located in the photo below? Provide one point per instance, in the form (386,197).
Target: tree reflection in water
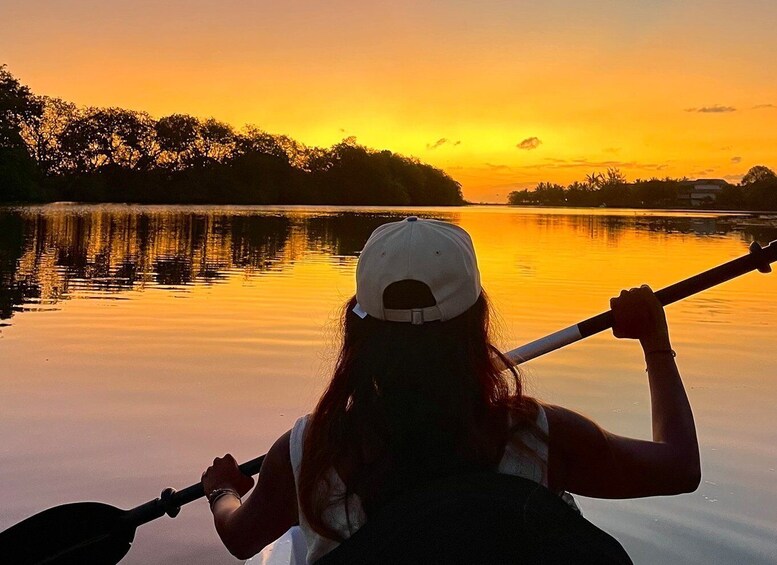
(47,254)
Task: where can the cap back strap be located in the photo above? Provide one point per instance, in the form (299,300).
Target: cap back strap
(415,316)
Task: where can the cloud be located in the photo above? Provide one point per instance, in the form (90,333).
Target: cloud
(612,150)
(440,142)
(530,143)
(494,167)
(762,106)
(715,109)
(735,178)
(736,159)
(703,172)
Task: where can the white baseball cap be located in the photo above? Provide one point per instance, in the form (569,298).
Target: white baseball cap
(435,253)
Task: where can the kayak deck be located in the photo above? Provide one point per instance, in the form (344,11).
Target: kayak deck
(483,518)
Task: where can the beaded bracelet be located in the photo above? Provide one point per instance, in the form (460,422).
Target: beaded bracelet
(220,492)
(672,352)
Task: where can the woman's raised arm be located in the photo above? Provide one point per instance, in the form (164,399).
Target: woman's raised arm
(587,460)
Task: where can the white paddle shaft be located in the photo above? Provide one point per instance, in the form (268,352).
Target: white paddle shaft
(544,345)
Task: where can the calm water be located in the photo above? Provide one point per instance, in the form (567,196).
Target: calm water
(137,343)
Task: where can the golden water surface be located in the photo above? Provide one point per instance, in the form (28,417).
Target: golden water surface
(137,343)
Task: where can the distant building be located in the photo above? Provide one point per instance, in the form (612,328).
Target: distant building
(695,193)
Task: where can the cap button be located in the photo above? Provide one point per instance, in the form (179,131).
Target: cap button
(412,219)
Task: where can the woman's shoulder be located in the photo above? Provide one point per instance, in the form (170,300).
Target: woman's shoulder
(296,442)
(526,413)
(300,425)
(526,451)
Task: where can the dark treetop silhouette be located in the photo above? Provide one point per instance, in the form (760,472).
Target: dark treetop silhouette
(53,150)
(757,191)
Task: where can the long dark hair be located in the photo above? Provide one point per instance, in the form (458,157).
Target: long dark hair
(408,404)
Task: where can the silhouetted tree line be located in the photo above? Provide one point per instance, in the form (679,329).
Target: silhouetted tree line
(52,150)
(756,191)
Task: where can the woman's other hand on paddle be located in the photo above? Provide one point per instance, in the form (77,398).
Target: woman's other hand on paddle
(637,314)
(224,473)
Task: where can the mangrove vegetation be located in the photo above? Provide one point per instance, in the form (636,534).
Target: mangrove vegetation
(756,191)
(53,150)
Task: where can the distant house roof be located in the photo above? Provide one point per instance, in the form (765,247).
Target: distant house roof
(717,182)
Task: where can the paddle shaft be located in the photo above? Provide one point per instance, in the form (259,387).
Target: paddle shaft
(170,501)
(758,259)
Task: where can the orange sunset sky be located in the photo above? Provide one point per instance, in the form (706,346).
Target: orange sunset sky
(501,95)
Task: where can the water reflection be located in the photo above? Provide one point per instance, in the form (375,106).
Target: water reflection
(134,394)
(52,253)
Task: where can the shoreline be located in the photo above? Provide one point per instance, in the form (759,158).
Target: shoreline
(734,219)
(219,205)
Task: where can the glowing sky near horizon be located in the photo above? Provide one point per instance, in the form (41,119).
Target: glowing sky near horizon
(654,87)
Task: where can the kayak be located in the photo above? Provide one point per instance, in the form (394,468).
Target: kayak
(291,548)
(484,518)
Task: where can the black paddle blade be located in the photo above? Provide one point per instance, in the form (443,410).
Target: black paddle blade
(79,533)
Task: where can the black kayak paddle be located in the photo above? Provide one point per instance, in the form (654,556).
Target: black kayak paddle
(92,532)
